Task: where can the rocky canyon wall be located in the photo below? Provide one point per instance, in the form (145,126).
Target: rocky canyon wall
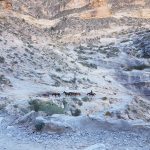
(85,9)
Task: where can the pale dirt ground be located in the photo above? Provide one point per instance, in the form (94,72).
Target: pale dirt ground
(91,136)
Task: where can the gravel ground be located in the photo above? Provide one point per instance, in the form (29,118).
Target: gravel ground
(92,137)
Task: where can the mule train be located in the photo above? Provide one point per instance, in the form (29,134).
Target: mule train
(47,94)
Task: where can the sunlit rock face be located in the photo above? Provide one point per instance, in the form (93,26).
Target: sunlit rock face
(73,4)
(5,4)
(99,9)
(85,9)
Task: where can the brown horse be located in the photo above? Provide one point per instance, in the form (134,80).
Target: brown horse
(71,94)
(56,94)
(91,93)
(67,93)
(76,94)
(47,94)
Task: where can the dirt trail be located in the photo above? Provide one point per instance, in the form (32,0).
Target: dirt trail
(9,143)
(92,137)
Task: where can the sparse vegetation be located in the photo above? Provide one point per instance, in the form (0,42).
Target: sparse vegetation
(104,98)
(65,103)
(76,112)
(89,65)
(48,107)
(5,81)
(85,99)
(108,113)
(15,106)
(75,99)
(2,59)
(2,106)
(39,126)
(34,105)
(80,103)
(58,70)
(139,67)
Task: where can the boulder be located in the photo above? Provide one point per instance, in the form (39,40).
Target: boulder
(29,117)
(51,124)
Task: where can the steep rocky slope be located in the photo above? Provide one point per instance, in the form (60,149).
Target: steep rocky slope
(75,45)
(105,53)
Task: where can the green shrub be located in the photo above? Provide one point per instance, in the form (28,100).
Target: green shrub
(3,80)
(89,65)
(76,112)
(2,59)
(108,113)
(15,106)
(65,103)
(85,99)
(75,99)
(2,106)
(139,67)
(39,126)
(35,105)
(48,107)
(80,103)
(58,70)
(104,98)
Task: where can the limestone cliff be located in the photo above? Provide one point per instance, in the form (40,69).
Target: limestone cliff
(84,8)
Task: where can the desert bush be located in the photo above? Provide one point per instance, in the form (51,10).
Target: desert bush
(89,65)
(104,98)
(75,99)
(107,113)
(34,105)
(15,106)
(51,108)
(80,103)
(76,112)
(139,67)
(2,59)
(30,46)
(85,99)
(5,81)
(125,40)
(39,126)
(2,106)
(58,69)
(65,102)
(48,107)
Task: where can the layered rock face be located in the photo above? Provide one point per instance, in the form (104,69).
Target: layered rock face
(6,5)
(85,9)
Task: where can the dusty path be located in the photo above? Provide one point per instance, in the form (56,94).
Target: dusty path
(92,137)
(7,143)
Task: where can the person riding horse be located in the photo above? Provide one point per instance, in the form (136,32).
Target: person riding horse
(91,93)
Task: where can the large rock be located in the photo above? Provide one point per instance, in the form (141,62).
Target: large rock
(29,117)
(52,124)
